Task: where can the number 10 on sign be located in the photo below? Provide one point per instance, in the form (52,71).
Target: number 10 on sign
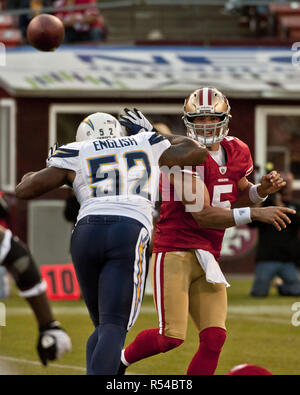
(61,281)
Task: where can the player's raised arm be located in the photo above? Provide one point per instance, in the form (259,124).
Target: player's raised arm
(184,151)
(35,184)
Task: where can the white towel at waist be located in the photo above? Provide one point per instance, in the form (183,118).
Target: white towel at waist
(211,267)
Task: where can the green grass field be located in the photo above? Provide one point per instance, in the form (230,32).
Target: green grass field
(259,332)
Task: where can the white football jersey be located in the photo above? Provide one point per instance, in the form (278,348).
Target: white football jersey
(117,176)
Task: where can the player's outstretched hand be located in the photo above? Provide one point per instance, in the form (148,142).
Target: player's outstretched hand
(273,215)
(53,343)
(134,121)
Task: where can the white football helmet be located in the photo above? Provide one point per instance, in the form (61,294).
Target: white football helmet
(207,102)
(99,126)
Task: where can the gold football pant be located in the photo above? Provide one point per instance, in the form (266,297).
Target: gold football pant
(180,287)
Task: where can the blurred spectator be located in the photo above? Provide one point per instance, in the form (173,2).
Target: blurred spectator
(35,6)
(233,7)
(11,5)
(81,25)
(155,34)
(278,253)
(254,17)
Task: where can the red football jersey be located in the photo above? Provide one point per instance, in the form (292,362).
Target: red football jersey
(177,230)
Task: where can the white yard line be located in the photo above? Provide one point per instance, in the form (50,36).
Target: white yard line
(260,310)
(36,363)
(238,309)
(286,321)
(7,370)
(78,310)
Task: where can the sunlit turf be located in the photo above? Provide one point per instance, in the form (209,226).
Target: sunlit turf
(259,332)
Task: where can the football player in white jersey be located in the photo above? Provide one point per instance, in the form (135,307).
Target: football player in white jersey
(115,179)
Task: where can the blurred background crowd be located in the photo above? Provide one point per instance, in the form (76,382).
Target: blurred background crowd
(81,24)
(145,20)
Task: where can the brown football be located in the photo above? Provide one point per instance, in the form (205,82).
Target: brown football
(45,32)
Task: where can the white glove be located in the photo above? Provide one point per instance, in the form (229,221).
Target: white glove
(53,343)
(135,122)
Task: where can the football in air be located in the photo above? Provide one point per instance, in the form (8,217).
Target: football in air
(45,32)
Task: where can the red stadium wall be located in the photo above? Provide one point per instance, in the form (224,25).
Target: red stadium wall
(3,93)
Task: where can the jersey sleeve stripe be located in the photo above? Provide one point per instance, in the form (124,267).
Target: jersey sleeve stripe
(155,138)
(249,171)
(65,153)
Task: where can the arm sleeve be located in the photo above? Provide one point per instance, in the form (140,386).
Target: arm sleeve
(66,157)
(158,144)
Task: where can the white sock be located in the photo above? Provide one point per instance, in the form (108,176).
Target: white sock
(123,360)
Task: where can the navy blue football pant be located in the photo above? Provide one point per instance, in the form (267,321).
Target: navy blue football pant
(110,258)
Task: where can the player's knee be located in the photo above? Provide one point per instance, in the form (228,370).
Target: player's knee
(113,319)
(168,343)
(21,266)
(213,338)
(112,330)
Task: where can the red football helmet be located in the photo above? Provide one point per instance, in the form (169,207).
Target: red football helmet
(248,370)
(207,102)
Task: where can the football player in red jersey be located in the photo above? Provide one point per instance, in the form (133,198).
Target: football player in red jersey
(186,277)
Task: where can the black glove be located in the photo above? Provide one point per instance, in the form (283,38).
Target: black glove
(53,342)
